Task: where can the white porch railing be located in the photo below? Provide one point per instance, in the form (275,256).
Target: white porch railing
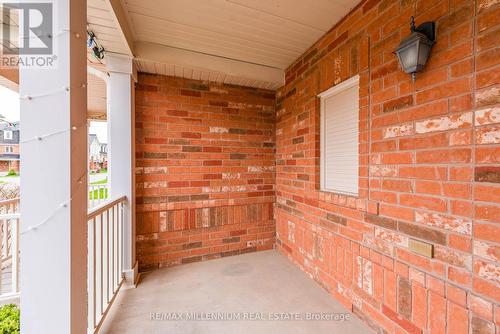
(105,256)
(105,268)
(98,194)
(9,250)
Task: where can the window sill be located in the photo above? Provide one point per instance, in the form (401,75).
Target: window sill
(342,199)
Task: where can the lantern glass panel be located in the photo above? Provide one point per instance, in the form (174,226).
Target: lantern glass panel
(408,57)
(423,54)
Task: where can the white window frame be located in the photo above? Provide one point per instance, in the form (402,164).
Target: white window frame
(9,149)
(349,83)
(7,134)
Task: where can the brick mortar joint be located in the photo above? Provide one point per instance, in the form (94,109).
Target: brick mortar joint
(217,205)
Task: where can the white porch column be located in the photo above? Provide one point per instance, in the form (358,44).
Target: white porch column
(53,242)
(121,149)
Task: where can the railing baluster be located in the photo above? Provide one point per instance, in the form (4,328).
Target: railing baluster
(98,195)
(117,238)
(5,238)
(115,249)
(107,257)
(120,241)
(100,258)
(112,282)
(102,264)
(3,222)
(14,250)
(92,197)
(94,276)
(91,273)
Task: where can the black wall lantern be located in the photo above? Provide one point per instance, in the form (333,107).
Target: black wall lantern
(97,50)
(414,50)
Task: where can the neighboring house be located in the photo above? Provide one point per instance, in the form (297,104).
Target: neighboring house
(103,154)
(9,147)
(98,154)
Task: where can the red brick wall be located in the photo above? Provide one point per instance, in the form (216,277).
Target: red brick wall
(204,170)
(429,170)
(8,165)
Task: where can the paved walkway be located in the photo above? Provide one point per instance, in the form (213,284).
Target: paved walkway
(254,285)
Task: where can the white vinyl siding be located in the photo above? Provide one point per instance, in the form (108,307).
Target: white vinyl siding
(339,138)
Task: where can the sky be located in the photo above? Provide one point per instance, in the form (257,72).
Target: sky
(100,129)
(9,101)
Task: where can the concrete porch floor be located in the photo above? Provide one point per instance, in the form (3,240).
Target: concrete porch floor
(259,282)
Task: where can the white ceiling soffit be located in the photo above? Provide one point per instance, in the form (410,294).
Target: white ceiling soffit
(104,18)
(157,58)
(246,42)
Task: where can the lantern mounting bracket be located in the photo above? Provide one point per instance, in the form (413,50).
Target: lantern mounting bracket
(426,28)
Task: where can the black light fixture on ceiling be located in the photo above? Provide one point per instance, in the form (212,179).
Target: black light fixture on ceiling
(414,50)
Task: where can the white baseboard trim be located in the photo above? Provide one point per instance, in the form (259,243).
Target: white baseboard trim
(131,277)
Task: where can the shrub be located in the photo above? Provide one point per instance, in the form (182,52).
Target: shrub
(9,319)
(11,172)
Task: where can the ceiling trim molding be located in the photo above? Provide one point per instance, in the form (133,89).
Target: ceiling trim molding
(122,24)
(169,55)
(119,63)
(101,75)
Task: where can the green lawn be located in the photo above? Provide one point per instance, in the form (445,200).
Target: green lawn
(104,181)
(13,175)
